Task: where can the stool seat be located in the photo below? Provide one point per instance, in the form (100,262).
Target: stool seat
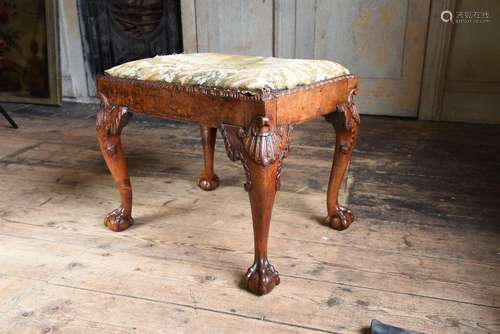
(246,73)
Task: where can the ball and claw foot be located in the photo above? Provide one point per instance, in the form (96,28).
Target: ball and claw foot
(341,219)
(261,277)
(208,183)
(118,221)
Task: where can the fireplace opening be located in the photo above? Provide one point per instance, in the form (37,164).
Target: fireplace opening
(117,31)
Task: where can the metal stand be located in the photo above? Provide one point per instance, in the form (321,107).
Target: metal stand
(7,117)
(378,327)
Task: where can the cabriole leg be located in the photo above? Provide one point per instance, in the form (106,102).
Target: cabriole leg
(110,122)
(261,277)
(261,149)
(208,180)
(346,122)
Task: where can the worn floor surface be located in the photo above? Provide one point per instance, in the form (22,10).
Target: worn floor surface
(423,253)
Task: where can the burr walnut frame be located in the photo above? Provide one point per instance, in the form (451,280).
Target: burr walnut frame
(256,130)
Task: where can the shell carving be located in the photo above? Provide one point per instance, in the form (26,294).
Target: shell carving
(261,143)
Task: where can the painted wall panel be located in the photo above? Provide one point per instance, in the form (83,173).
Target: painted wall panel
(366,35)
(381,41)
(235,26)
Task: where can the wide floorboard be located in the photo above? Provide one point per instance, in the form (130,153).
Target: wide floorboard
(423,253)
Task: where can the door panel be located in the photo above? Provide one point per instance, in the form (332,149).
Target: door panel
(381,41)
(235,26)
(366,35)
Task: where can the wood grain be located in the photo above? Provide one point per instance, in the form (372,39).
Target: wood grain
(418,257)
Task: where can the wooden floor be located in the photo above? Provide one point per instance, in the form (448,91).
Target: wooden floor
(423,253)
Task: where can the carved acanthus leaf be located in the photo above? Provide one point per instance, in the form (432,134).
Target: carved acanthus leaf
(111,118)
(345,113)
(346,117)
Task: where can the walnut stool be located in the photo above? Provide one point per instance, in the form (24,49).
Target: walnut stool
(254,102)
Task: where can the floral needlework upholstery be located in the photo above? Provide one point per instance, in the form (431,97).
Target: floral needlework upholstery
(245,73)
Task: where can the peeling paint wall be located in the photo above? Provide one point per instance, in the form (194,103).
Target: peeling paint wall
(381,41)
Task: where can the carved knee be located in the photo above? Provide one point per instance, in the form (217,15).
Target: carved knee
(111,119)
(260,142)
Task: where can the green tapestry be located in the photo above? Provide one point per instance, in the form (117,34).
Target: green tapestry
(245,73)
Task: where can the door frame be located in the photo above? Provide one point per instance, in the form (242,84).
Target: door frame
(437,50)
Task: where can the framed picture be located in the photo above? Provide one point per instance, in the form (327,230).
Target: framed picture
(29,55)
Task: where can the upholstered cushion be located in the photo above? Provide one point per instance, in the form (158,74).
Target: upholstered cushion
(244,73)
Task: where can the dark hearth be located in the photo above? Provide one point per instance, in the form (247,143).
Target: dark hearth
(118,31)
